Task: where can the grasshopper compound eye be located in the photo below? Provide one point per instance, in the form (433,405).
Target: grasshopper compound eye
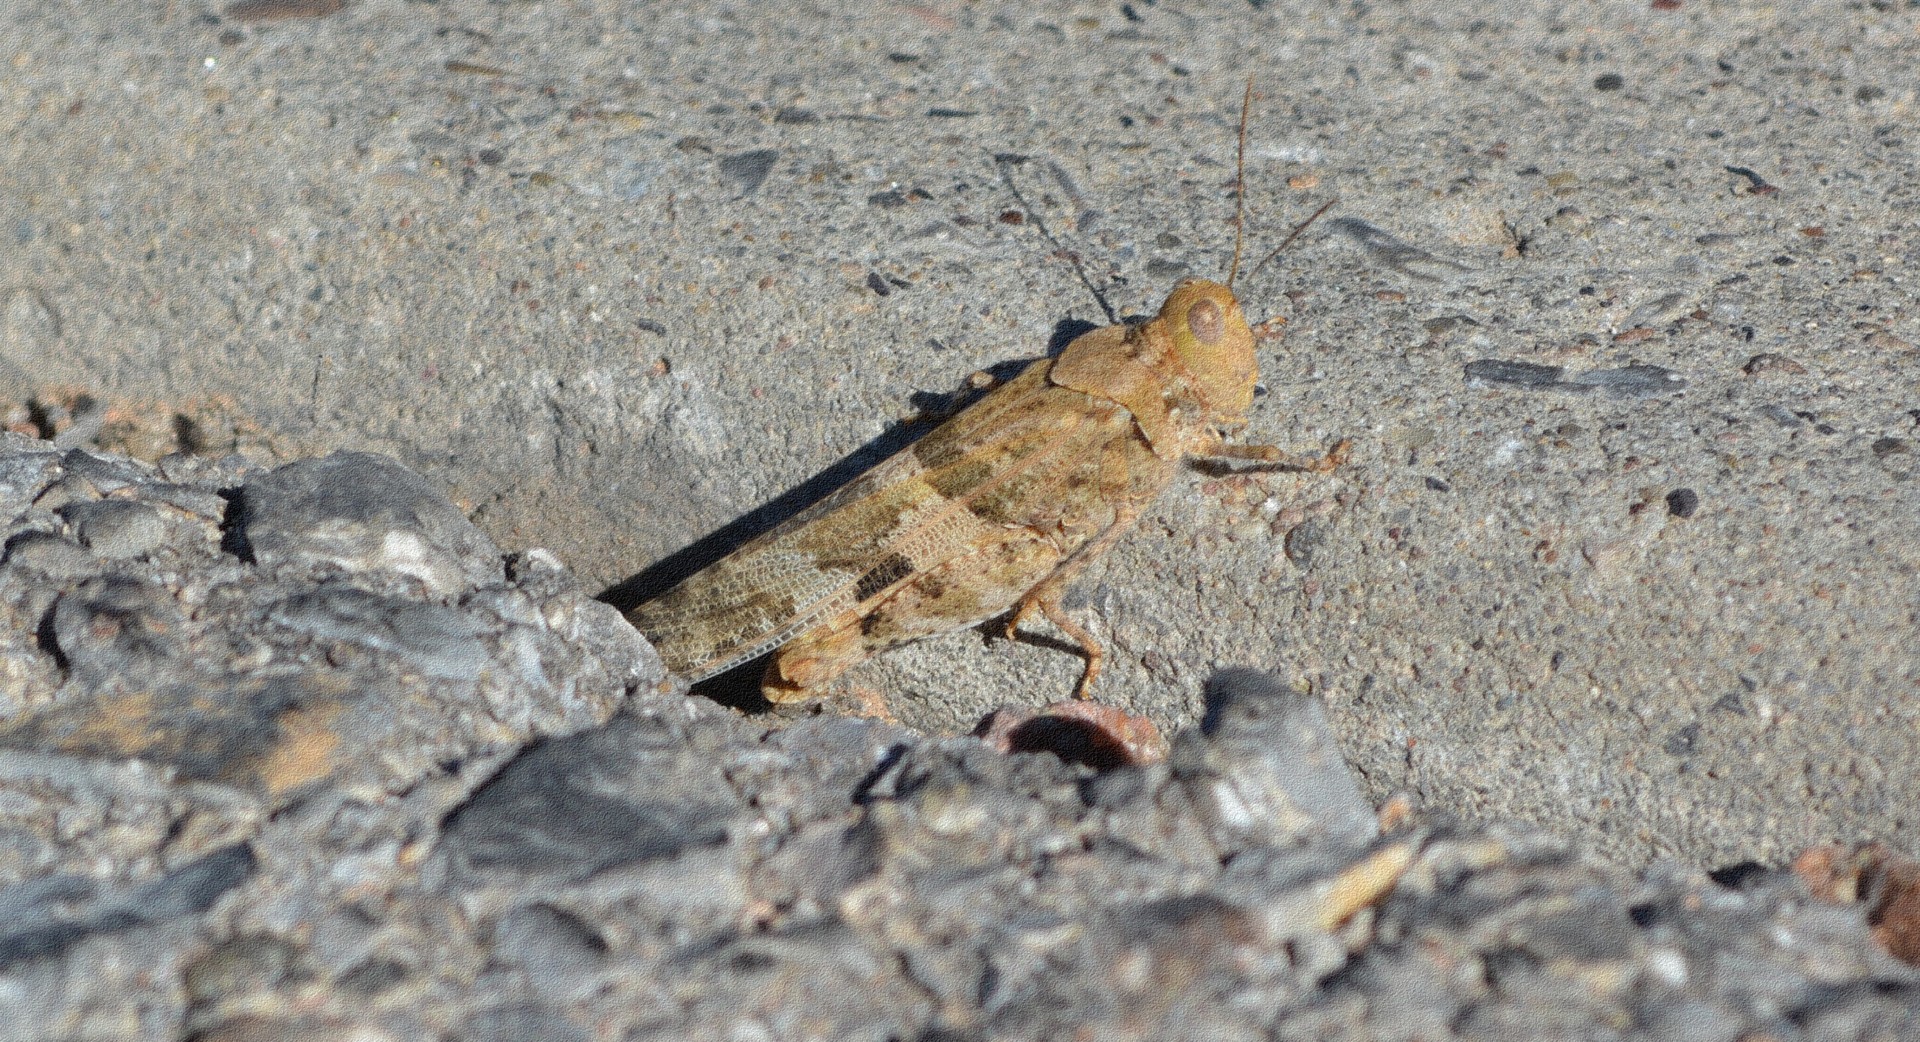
(1205,322)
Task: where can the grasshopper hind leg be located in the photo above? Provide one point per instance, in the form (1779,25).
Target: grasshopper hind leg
(1046,594)
(960,591)
(1046,597)
(812,659)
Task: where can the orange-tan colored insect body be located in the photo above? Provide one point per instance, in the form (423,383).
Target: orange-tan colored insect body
(997,509)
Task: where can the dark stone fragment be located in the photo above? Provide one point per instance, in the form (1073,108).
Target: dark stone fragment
(1267,763)
(1682,741)
(1781,415)
(361,511)
(1772,362)
(597,800)
(1741,875)
(1518,374)
(1683,502)
(1437,327)
(1304,541)
(435,640)
(42,920)
(1632,381)
(1731,702)
(282,10)
(749,170)
(374,977)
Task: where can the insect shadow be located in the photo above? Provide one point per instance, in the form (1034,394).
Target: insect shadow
(739,687)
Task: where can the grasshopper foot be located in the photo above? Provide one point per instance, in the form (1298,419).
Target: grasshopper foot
(1046,597)
(1335,458)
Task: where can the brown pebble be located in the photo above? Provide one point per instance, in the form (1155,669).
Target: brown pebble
(1397,812)
(1887,881)
(1769,362)
(1100,736)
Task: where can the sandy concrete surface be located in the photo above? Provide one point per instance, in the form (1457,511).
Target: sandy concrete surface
(619,276)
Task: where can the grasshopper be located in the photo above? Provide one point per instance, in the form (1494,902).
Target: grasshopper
(995,510)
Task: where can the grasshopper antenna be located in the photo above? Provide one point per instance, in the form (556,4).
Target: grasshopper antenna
(1005,162)
(1295,234)
(1240,187)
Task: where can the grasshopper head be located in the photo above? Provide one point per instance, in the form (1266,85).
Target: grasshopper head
(1212,340)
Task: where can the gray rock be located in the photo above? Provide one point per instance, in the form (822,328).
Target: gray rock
(104,474)
(631,793)
(53,556)
(358,511)
(559,953)
(439,641)
(117,528)
(50,915)
(320,797)
(69,816)
(1484,371)
(1266,768)
(518,1023)
(117,631)
(23,474)
(173,666)
(1633,381)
